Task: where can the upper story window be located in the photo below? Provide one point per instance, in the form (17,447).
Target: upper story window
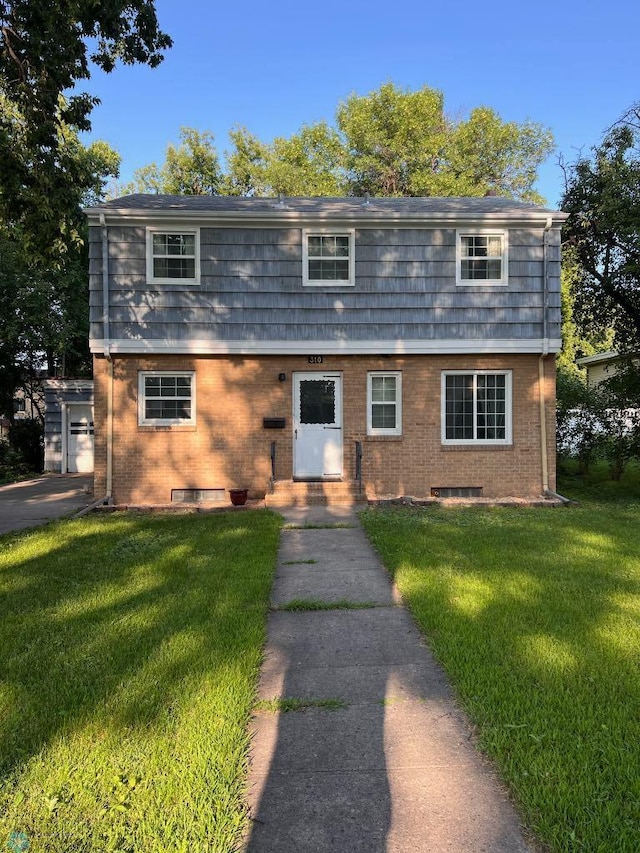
(476,407)
(166,398)
(328,256)
(173,256)
(384,403)
(481,257)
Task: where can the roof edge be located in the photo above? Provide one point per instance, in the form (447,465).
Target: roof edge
(363,217)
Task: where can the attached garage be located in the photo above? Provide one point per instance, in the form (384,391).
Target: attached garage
(68,429)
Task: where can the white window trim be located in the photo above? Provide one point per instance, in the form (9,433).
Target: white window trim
(397,430)
(322,232)
(478,442)
(171,229)
(482,232)
(142,421)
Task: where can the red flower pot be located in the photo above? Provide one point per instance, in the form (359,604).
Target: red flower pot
(238,496)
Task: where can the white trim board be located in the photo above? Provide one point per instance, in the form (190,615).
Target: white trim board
(496,346)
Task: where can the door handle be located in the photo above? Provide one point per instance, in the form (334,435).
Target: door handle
(295,433)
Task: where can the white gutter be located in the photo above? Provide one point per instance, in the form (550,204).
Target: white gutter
(106,340)
(364,217)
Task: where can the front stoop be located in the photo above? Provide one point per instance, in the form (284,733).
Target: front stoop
(326,493)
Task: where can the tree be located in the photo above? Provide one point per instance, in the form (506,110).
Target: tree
(602,198)
(486,154)
(191,168)
(44,306)
(45,50)
(308,163)
(578,339)
(246,164)
(393,142)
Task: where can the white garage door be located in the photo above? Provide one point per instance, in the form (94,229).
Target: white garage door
(80,440)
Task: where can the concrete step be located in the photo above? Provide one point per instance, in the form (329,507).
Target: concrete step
(326,493)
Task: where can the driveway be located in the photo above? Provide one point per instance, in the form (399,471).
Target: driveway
(34,502)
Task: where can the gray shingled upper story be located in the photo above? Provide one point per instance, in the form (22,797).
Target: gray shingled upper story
(251,293)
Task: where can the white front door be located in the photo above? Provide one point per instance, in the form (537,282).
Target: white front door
(317,425)
(79,439)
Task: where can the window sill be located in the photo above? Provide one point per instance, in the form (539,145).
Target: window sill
(384,438)
(167,427)
(328,284)
(172,282)
(465,448)
(482,282)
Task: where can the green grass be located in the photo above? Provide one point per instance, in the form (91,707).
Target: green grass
(130,647)
(535,615)
(338,525)
(291,703)
(300,604)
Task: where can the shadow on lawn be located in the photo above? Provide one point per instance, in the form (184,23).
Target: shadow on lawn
(116,618)
(534,615)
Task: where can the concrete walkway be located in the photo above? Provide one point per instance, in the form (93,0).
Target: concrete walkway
(34,502)
(394,768)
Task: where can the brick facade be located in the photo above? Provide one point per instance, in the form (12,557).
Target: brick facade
(228,447)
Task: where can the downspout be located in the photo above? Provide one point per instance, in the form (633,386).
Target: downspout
(545,352)
(106,339)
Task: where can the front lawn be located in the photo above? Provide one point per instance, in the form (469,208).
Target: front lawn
(130,646)
(535,615)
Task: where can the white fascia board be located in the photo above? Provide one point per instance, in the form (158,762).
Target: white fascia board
(303,219)
(598,358)
(408,347)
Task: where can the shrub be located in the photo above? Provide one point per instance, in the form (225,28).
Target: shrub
(24,452)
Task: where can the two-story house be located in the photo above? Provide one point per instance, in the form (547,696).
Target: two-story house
(397,346)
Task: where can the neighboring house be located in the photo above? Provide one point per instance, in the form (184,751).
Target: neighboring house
(601,366)
(29,402)
(397,346)
(68,426)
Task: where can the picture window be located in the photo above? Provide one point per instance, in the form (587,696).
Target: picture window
(476,408)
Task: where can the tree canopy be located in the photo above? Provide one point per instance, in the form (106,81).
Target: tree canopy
(191,168)
(44,317)
(45,50)
(391,142)
(602,197)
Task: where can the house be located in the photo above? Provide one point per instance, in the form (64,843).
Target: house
(28,401)
(601,366)
(68,426)
(387,347)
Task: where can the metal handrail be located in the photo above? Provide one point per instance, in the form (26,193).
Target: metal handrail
(358,476)
(273,462)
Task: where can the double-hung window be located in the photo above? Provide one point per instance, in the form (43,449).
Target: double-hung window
(328,256)
(166,398)
(476,407)
(384,403)
(173,256)
(481,257)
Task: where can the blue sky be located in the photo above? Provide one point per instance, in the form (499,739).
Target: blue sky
(572,66)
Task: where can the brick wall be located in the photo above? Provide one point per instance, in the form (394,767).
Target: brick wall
(228,447)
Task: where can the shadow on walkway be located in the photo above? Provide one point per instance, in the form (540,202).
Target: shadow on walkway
(392,768)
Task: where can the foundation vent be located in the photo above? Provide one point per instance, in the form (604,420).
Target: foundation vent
(190,496)
(456,492)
